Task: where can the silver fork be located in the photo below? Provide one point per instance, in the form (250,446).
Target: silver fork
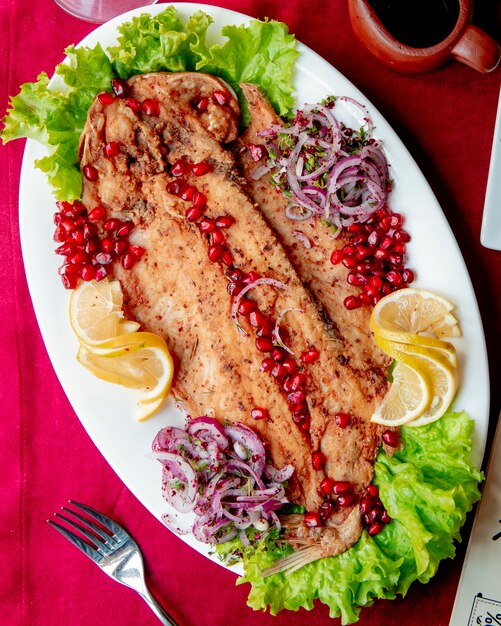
(117,553)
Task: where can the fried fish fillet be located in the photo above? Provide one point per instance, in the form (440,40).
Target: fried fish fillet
(177,292)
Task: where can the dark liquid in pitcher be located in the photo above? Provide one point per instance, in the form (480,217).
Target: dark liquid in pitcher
(417,23)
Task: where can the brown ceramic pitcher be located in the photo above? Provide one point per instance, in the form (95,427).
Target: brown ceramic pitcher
(465,42)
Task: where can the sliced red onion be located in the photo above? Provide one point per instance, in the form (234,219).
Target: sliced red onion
(208,426)
(276,330)
(251,441)
(365,111)
(279,476)
(302,238)
(297,213)
(260,281)
(174,523)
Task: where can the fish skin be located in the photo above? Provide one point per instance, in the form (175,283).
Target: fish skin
(176,292)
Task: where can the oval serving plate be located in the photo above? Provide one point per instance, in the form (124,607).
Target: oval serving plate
(107,411)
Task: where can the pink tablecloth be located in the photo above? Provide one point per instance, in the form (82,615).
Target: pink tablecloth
(445,118)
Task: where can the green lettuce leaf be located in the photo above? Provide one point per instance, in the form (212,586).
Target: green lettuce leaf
(428,487)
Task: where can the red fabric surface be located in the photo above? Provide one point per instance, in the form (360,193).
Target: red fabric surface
(445,118)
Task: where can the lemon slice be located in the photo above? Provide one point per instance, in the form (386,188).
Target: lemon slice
(407,399)
(395,349)
(110,370)
(409,312)
(96,312)
(448,327)
(148,409)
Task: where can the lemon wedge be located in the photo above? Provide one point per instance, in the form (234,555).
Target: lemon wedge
(96,312)
(440,349)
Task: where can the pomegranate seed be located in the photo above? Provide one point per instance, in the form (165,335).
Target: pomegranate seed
(297,382)
(120,87)
(384,225)
(259,414)
(89,231)
(300,419)
(354,228)
(263,344)
(67,249)
(236,275)
(356,279)
(312,519)
(326,509)
(110,149)
(347,499)
(386,289)
(342,420)
(395,259)
(234,288)
(267,365)
(375,528)
(57,218)
(373,491)
(227,257)
(202,104)
(67,268)
(376,282)
(133,104)
(80,257)
(381,213)
(342,487)
(221,97)
(362,252)
(408,276)
(336,257)
(137,251)
(318,460)
(257,319)
(97,214)
(199,200)
(402,236)
(67,224)
(310,356)
(207,225)
(365,505)
(386,243)
(278,355)
(111,224)
(180,168)
(370,291)
(217,236)
(391,438)
(351,302)
(215,252)
(101,273)
(246,307)
(278,371)
(150,107)
(266,330)
(129,260)
(348,250)
(199,169)
(251,278)
(104,258)
(349,262)
(193,214)
(60,234)
(365,298)
(105,97)
(256,152)
(385,518)
(87,273)
(290,365)
(90,172)
(124,230)
(121,247)
(225,221)
(78,237)
(394,278)
(188,192)
(69,281)
(326,485)
(107,244)
(396,220)
(296,397)
(286,385)
(173,188)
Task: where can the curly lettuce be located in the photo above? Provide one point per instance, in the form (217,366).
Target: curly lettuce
(428,488)
(262,52)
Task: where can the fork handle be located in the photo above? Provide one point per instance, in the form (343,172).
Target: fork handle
(164,617)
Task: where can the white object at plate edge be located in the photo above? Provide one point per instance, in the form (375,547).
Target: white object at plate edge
(490,235)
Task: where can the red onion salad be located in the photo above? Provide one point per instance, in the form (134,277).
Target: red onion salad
(326,168)
(219,473)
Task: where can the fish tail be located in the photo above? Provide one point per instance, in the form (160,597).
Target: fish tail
(294,561)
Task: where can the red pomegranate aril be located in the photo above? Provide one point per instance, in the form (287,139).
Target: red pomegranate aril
(133,104)
(207,225)
(257,319)
(202,104)
(346,499)
(110,149)
(371,292)
(395,259)
(327,508)
(121,247)
(246,307)
(221,97)
(150,107)
(318,460)
(267,365)
(90,173)
(104,258)
(193,214)
(60,234)
(278,354)
(290,366)
(297,382)
(396,220)
(355,228)
(217,236)
(299,419)
(376,282)
(365,298)
(381,213)
(286,384)
(188,192)
(92,246)
(77,236)
(124,230)
(265,330)
(199,200)
(67,224)
(225,221)
(259,414)
(349,262)
(356,279)
(296,397)
(402,236)
(394,277)
(373,491)
(120,87)
(87,273)
(351,302)
(111,224)
(199,169)
(365,505)
(236,275)
(96,214)
(386,243)
(342,420)
(173,188)
(342,487)
(310,356)
(278,371)
(386,289)
(264,344)
(215,251)
(67,268)
(57,218)
(348,250)
(375,528)
(384,225)
(227,257)
(326,485)
(362,252)
(374,514)
(101,273)
(79,258)
(234,288)
(105,98)
(312,519)
(408,276)
(358,239)
(67,249)
(129,260)
(69,281)
(251,277)
(107,244)
(385,517)
(180,168)
(362,268)
(336,257)
(391,438)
